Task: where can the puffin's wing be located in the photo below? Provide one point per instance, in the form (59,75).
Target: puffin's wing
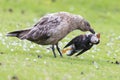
(75,40)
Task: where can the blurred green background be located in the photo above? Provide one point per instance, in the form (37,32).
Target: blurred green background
(19,59)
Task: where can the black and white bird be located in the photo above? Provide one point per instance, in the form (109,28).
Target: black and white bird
(81,44)
(52,28)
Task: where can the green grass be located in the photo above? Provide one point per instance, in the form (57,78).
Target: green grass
(20,58)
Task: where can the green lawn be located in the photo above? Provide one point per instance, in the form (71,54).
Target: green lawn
(19,59)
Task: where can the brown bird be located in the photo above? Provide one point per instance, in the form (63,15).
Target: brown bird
(51,28)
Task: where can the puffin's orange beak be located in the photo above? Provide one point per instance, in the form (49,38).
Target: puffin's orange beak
(98,35)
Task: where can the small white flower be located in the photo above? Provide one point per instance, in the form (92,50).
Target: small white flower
(1,34)
(45,62)
(27,59)
(93,56)
(95,64)
(81,57)
(35,60)
(109,53)
(37,51)
(32,46)
(12,50)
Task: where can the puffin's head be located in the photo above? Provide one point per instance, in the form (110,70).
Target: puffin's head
(95,38)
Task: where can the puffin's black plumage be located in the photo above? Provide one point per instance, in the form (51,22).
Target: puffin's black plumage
(80,44)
